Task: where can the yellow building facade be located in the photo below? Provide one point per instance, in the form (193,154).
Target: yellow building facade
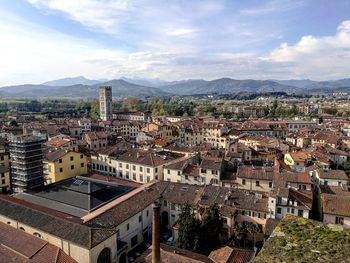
(5,183)
(61,165)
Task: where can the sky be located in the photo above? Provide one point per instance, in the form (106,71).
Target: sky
(42,40)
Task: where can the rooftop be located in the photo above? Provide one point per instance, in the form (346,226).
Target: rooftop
(77,196)
(18,246)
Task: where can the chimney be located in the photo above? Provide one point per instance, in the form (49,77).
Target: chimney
(156,233)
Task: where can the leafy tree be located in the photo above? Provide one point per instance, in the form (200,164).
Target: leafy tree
(188,230)
(210,230)
(252,229)
(200,236)
(239,232)
(346,167)
(95,109)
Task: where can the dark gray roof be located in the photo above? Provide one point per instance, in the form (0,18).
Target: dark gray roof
(77,196)
(52,222)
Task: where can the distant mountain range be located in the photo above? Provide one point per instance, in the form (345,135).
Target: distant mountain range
(81,87)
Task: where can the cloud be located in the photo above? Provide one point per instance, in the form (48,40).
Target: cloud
(102,15)
(318,57)
(175,40)
(272,7)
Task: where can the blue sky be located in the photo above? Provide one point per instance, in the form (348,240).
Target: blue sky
(168,39)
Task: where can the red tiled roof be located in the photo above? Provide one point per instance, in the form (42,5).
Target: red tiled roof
(18,246)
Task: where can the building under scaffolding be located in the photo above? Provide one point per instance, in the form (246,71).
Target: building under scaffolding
(26,163)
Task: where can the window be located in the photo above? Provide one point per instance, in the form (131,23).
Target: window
(156,170)
(243,212)
(279,210)
(204,171)
(71,158)
(325,182)
(61,170)
(118,233)
(147,213)
(243,181)
(141,178)
(257,183)
(36,234)
(168,171)
(81,156)
(127,227)
(141,168)
(21,228)
(59,160)
(3,181)
(300,212)
(72,167)
(134,176)
(165,203)
(82,165)
(148,170)
(270,184)
(293,211)
(279,200)
(134,241)
(172,206)
(140,218)
(339,220)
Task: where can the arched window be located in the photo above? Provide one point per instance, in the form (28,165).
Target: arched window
(8,222)
(21,228)
(104,256)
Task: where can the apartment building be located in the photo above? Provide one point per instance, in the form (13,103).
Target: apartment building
(211,169)
(297,160)
(214,135)
(256,178)
(284,201)
(126,129)
(96,140)
(133,116)
(63,164)
(139,165)
(334,204)
(185,171)
(329,177)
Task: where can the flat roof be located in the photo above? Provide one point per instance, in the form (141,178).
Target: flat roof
(76,196)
